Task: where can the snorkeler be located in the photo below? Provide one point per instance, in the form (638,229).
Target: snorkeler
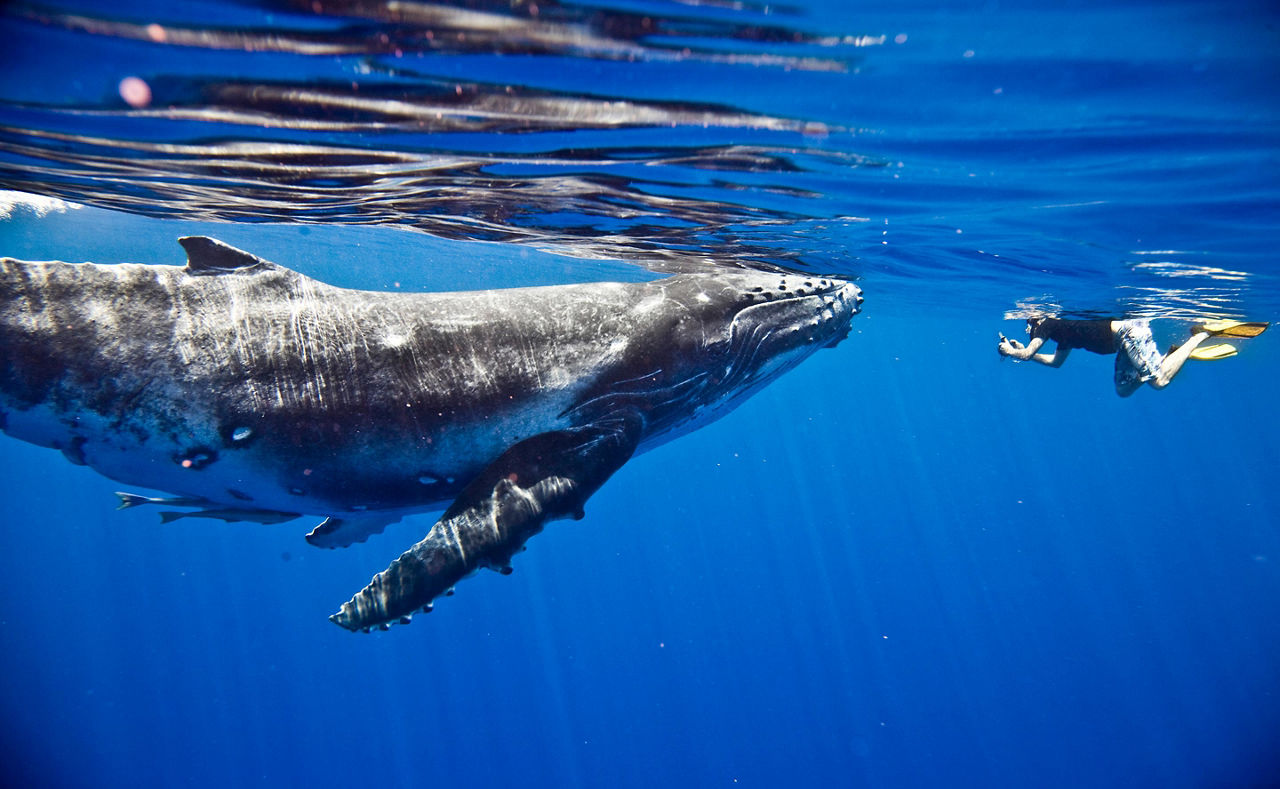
(1138,359)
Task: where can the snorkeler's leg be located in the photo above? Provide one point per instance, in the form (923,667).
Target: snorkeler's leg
(1126,388)
(1128,377)
(1173,361)
(1138,358)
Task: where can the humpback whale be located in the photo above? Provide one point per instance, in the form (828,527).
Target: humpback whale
(258,393)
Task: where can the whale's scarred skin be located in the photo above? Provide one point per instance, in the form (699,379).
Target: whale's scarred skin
(258,393)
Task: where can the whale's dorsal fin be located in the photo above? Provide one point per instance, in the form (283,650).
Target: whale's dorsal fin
(210,256)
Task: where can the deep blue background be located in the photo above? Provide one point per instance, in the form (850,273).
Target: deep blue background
(905,564)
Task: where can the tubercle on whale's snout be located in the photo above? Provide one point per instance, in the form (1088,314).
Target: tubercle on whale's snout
(851,296)
(854,293)
(835,297)
(787,287)
(822,305)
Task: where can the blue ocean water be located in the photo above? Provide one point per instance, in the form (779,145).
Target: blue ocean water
(905,564)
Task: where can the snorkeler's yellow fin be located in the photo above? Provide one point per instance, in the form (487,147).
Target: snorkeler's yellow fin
(1210,353)
(1230,328)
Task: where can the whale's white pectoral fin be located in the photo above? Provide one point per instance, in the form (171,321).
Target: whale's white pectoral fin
(543,478)
(340,532)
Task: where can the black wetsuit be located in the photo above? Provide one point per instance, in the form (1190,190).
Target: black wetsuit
(1094,336)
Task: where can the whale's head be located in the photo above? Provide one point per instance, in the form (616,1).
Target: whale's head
(711,340)
(756,326)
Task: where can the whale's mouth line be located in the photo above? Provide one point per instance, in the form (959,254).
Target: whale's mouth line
(653,397)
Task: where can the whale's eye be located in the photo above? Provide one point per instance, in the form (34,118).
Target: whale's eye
(196,458)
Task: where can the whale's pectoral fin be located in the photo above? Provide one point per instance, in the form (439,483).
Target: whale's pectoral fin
(335,532)
(540,479)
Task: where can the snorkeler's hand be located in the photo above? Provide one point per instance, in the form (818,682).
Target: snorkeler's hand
(1006,346)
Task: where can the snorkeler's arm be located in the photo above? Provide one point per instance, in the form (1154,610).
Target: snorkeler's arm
(1016,350)
(1055,359)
